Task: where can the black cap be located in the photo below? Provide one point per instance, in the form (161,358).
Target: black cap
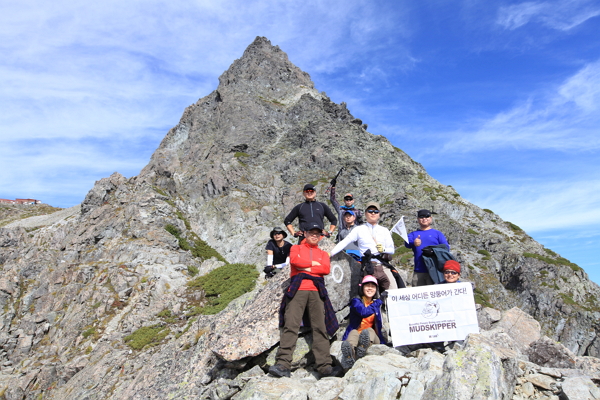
(277,230)
(423,214)
(311,226)
(309,186)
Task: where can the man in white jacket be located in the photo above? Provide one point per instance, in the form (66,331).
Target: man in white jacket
(374,237)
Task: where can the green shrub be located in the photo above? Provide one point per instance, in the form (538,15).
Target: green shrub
(484,252)
(497,231)
(164,313)
(192,270)
(514,227)
(146,336)
(172,229)
(200,248)
(553,254)
(472,232)
(88,332)
(222,285)
(427,189)
(487,210)
(239,154)
(482,298)
(558,261)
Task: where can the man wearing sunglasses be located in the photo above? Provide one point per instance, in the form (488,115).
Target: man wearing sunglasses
(418,240)
(374,237)
(309,213)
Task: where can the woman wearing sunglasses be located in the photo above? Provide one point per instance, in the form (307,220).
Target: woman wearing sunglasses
(451,272)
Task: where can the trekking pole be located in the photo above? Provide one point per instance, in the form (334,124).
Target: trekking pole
(334,179)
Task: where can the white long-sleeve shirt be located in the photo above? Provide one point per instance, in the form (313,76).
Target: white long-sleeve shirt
(367,237)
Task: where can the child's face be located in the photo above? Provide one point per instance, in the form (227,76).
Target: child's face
(451,276)
(369,289)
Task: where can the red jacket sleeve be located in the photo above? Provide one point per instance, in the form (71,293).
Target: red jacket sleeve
(300,258)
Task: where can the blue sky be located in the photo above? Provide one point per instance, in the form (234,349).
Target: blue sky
(499,99)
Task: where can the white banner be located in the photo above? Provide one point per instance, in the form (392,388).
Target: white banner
(400,229)
(434,313)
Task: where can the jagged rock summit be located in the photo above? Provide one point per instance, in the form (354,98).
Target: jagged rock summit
(101,304)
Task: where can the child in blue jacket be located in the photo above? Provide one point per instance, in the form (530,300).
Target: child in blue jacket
(365,325)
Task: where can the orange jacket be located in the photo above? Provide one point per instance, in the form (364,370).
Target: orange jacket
(302,256)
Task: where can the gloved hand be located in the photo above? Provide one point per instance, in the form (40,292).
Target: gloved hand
(269,271)
(380,248)
(327,234)
(298,234)
(333,182)
(383,295)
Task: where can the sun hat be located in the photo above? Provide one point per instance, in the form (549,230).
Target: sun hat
(277,230)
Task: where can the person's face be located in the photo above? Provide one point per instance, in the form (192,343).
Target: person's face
(349,219)
(309,194)
(348,201)
(369,289)
(313,236)
(372,215)
(425,222)
(451,276)
(278,236)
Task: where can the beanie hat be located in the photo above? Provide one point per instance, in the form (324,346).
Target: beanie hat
(452,265)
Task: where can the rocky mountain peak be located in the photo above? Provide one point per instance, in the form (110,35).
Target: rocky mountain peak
(105,302)
(264,70)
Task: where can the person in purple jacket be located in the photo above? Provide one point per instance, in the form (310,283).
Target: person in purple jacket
(418,240)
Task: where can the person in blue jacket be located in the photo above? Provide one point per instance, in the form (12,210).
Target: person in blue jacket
(418,240)
(366,325)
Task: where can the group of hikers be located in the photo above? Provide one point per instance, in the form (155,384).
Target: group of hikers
(361,236)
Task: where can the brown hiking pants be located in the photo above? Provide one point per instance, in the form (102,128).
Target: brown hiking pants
(294,310)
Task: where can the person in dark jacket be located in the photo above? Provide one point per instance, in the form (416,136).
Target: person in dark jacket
(366,325)
(278,252)
(309,213)
(341,211)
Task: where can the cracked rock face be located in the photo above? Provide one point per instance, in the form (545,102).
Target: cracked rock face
(74,288)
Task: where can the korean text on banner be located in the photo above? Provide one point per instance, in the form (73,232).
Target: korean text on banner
(434,313)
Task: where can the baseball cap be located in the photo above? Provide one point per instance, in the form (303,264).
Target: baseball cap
(309,186)
(372,204)
(311,226)
(369,278)
(349,212)
(423,214)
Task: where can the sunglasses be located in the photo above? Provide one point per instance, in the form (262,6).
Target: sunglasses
(348,198)
(373,211)
(309,190)
(425,217)
(450,272)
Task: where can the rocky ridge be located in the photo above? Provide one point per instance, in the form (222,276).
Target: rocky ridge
(72,292)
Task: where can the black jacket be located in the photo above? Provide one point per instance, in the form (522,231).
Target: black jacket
(310,212)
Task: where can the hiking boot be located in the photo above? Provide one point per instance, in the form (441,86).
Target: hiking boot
(279,371)
(347,355)
(330,371)
(364,341)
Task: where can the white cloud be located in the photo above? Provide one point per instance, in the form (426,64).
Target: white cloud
(561,15)
(538,206)
(548,120)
